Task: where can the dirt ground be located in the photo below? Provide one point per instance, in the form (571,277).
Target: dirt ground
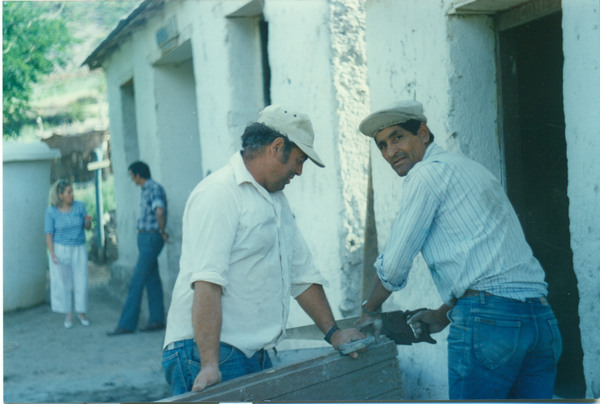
(44,362)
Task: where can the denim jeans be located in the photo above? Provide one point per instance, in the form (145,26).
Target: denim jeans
(501,348)
(181,364)
(145,275)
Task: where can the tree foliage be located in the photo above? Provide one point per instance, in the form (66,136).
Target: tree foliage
(35,38)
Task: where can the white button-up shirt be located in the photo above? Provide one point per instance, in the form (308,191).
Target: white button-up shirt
(457,214)
(238,235)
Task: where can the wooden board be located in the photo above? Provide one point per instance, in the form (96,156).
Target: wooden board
(374,374)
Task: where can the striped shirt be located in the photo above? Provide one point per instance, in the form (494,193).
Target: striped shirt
(153,196)
(456,213)
(66,227)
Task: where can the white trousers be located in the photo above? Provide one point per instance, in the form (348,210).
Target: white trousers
(69,279)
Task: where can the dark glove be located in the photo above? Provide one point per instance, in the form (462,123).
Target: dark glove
(396,328)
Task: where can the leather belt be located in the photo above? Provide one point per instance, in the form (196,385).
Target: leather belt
(475,293)
(148,231)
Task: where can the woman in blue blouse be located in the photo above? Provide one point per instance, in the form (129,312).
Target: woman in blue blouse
(64,222)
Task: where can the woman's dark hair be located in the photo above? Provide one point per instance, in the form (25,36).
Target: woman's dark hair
(140,168)
(412,126)
(257,135)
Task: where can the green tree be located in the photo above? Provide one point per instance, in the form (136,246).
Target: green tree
(35,38)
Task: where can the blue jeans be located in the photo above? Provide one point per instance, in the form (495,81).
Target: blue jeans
(501,348)
(181,364)
(145,275)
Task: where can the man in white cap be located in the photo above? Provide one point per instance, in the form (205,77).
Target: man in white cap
(242,258)
(503,342)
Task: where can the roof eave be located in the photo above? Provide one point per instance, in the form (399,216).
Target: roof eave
(111,42)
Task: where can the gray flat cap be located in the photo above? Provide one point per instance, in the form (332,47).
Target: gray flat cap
(395,114)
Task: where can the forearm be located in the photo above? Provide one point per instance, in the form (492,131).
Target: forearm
(206,321)
(50,243)
(442,315)
(314,302)
(160,219)
(379,294)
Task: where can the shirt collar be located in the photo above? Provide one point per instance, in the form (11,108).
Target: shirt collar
(242,175)
(431,151)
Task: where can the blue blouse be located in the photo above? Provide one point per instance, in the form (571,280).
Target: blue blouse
(66,227)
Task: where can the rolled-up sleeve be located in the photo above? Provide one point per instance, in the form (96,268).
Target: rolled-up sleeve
(209,230)
(157,198)
(418,206)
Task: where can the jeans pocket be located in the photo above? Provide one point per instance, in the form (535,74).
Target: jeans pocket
(494,341)
(193,368)
(225,353)
(556,339)
(174,374)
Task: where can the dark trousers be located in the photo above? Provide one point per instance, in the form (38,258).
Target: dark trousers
(145,275)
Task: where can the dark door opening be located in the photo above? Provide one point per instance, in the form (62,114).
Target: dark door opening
(531,63)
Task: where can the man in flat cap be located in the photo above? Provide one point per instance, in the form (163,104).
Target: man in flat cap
(242,258)
(504,342)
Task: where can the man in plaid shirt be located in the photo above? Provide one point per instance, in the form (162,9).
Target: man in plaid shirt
(151,238)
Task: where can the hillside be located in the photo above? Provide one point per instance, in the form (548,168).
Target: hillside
(73,99)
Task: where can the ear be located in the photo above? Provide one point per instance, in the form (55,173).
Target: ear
(277,145)
(423,132)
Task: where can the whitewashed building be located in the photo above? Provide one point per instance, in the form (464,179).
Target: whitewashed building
(513,84)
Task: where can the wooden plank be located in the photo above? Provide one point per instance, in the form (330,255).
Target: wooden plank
(363,384)
(311,378)
(395,395)
(95,165)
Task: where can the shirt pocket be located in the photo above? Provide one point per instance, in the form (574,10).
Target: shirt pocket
(257,231)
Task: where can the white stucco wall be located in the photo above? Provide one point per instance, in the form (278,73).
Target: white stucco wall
(25,182)
(222,112)
(581,89)
(347,22)
(317,59)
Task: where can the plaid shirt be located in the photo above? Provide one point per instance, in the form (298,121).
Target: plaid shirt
(153,196)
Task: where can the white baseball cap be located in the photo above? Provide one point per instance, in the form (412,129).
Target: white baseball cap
(294,125)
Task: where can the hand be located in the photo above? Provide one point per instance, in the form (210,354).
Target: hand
(366,320)
(54,258)
(165,236)
(341,337)
(435,319)
(208,376)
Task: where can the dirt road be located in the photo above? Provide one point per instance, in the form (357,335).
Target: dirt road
(44,362)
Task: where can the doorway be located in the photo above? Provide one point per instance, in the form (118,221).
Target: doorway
(533,127)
